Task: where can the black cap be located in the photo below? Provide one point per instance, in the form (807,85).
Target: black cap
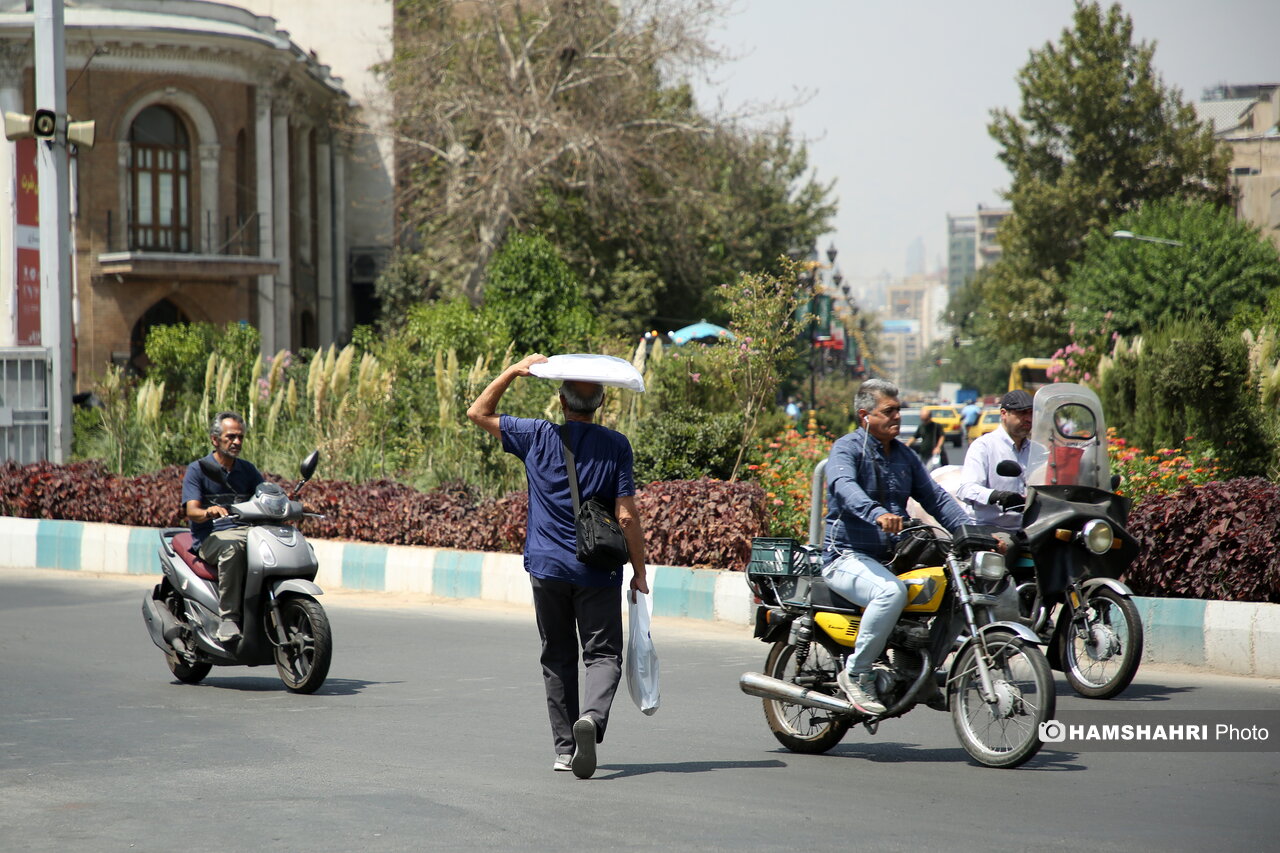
(1016,400)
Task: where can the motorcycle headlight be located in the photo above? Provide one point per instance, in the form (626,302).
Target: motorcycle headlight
(989,565)
(265,554)
(1098,536)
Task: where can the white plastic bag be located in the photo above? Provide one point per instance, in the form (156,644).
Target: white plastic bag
(587,367)
(642,658)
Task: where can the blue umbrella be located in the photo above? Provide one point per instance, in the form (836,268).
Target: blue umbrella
(702,330)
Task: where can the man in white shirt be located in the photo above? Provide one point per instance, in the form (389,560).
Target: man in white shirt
(997,500)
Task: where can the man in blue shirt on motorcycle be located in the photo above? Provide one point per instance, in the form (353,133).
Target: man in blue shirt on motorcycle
(870,476)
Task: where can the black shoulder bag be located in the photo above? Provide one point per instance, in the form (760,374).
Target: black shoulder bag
(600,540)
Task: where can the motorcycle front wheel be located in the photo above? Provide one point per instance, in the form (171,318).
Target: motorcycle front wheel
(1101,658)
(303,660)
(1006,732)
(801,729)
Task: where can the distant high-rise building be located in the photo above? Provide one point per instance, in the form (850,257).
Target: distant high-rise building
(988,248)
(915,257)
(962,248)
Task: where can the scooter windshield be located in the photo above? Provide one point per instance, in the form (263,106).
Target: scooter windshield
(1068,438)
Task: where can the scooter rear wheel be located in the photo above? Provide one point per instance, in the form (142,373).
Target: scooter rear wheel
(303,661)
(187,673)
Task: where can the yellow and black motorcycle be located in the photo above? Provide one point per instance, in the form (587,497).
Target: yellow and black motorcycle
(957,646)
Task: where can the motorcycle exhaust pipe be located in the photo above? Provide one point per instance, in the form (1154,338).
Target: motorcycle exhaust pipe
(757,684)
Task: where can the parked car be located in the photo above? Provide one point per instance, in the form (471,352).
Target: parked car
(949,418)
(987,422)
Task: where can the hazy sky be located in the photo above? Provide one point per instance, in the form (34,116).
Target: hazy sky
(901,93)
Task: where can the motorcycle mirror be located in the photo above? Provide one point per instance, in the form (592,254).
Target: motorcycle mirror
(308,466)
(213,470)
(1008,468)
(1115,481)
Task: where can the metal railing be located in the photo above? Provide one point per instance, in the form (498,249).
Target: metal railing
(236,236)
(24,404)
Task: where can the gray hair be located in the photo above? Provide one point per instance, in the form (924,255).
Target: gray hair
(215,428)
(870,392)
(578,403)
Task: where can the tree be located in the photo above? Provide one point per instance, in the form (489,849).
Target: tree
(536,298)
(1223,268)
(1098,133)
(497,100)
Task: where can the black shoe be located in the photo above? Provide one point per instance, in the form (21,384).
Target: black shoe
(584,748)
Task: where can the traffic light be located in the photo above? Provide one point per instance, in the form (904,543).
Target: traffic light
(44,125)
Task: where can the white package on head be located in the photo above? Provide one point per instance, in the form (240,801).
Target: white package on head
(586,367)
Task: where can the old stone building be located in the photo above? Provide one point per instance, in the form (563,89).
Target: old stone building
(217,187)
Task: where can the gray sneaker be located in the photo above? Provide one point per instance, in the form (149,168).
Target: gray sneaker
(563,763)
(228,632)
(861,690)
(583,761)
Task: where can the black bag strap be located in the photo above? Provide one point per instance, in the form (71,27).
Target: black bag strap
(569,464)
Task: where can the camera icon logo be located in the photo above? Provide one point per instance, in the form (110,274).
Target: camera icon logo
(1052,732)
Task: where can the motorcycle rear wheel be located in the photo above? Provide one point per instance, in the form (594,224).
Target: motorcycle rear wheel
(800,729)
(1006,734)
(1103,663)
(303,661)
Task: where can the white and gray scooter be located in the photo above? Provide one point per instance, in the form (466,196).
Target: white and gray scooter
(282,622)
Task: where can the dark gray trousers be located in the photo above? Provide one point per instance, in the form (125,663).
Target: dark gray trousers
(566,611)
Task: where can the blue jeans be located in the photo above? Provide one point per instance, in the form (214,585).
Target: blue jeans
(872,586)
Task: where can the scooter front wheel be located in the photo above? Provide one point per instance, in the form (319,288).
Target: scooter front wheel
(1101,656)
(303,659)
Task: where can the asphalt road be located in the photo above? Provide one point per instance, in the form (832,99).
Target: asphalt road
(431,734)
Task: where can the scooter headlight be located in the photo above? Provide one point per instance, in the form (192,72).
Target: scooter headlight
(273,499)
(265,554)
(1098,536)
(989,565)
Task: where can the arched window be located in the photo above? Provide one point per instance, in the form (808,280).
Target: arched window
(160,182)
(163,313)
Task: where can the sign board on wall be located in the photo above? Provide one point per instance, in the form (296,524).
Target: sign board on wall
(28,244)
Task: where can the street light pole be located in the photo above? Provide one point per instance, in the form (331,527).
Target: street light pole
(1129,235)
(55,225)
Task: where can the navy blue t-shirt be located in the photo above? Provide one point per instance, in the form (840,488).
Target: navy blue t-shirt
(243,479)
(603,462)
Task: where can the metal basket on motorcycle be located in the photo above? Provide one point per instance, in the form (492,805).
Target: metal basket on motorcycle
(780,569)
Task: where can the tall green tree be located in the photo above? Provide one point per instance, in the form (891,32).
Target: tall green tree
(1223,267)
(1097,134)
(573,119)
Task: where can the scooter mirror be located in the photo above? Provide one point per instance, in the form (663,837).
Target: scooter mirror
(308,466)
(1008,468)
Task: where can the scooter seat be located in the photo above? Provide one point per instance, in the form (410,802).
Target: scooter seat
(182,545)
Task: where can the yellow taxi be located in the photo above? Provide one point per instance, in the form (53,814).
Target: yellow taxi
(948,417)
(987,422)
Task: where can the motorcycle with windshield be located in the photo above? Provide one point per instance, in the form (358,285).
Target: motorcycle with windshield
(282,621)
(957,646)
(1073,529)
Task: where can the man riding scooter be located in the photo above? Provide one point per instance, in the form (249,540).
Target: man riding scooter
(220,543)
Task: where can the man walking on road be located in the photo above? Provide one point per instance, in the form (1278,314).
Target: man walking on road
(570,598)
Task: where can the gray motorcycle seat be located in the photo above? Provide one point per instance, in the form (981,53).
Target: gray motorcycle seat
(182,545)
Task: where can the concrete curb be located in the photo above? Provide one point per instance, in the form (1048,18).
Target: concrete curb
(1229,637)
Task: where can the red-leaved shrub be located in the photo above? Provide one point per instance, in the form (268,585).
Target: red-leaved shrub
(687,523)
(1220,541)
